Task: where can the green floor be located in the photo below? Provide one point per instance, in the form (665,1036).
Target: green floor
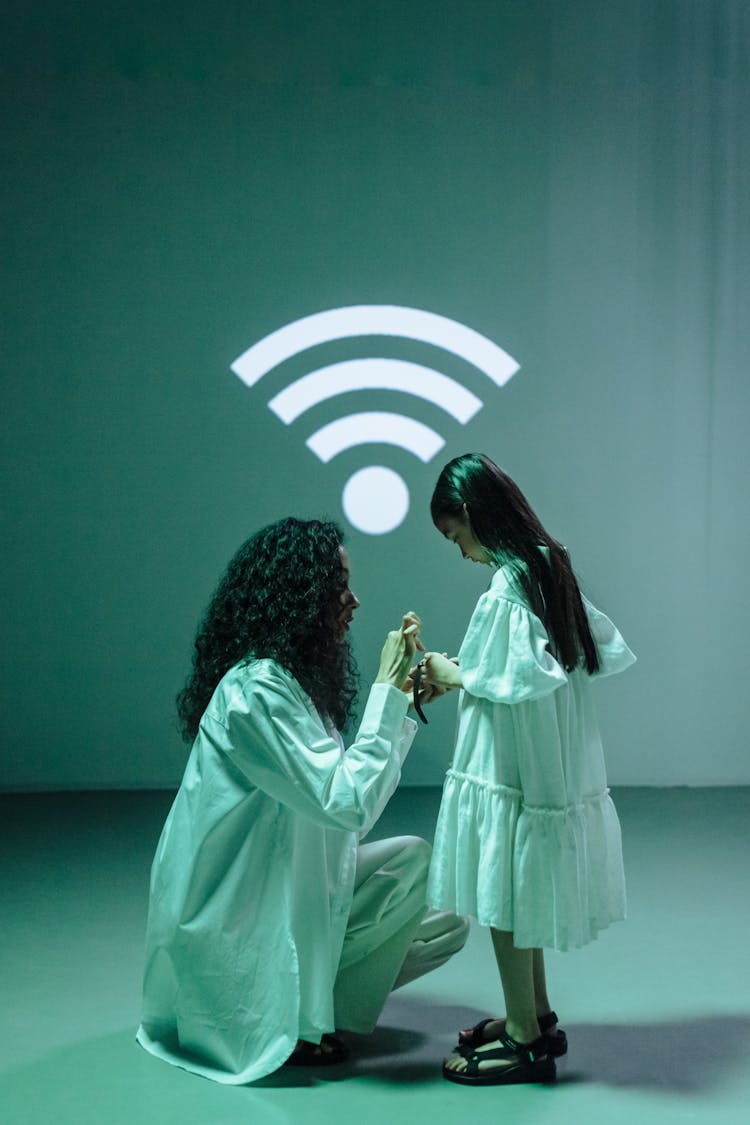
(657,1010)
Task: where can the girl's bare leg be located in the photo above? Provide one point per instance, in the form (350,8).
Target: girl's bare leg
(541,1000)
(517,976)
(518,980)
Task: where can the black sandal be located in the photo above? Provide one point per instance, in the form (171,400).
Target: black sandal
(533,1063)
(328,1052)
(556,1041)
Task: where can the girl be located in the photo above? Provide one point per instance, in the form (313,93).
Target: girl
(527,839)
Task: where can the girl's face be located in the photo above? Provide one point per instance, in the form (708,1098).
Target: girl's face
(458,530)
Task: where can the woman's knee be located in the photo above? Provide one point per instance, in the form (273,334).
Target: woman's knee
(409,859)
(419,853)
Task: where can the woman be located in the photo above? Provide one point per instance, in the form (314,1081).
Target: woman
(268,927)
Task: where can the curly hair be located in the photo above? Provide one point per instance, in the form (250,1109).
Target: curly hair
(278,598)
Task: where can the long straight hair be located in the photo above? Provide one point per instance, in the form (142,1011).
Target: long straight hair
(505,524)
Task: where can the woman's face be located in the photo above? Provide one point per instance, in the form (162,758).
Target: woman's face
(458,530)
(347,602)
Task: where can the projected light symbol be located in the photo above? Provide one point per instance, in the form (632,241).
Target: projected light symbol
(375,499)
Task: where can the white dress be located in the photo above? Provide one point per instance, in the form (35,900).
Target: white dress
(527,838)
(253,878)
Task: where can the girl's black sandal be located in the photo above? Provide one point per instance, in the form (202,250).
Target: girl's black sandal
(556,1041)
(526,1062)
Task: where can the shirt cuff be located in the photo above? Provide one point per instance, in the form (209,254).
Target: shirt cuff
(386,707)
(385,715)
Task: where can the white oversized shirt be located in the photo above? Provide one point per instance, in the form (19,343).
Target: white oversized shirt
(252,881)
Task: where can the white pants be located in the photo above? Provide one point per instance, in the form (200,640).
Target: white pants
(391,937)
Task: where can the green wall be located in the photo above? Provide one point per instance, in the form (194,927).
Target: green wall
(570,180)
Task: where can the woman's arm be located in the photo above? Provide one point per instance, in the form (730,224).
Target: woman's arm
(270,732)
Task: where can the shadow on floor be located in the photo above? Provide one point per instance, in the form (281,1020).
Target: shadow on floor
(678,1057)
(684,1058)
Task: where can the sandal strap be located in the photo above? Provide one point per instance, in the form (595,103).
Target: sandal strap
(315,1054)
(474,1038)
(526,1053)
(529,1052)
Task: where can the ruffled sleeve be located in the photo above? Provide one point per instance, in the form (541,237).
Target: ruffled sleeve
(505,654)
(614,654)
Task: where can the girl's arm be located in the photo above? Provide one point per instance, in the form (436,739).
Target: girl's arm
(440,671)
(505,656)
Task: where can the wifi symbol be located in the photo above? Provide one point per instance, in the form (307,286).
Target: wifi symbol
(375,499)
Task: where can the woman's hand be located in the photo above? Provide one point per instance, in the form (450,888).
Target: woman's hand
(398,652)
(440,672)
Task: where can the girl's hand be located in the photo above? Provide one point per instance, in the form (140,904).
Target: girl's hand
(398,652)
(440,672)
(427,692)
